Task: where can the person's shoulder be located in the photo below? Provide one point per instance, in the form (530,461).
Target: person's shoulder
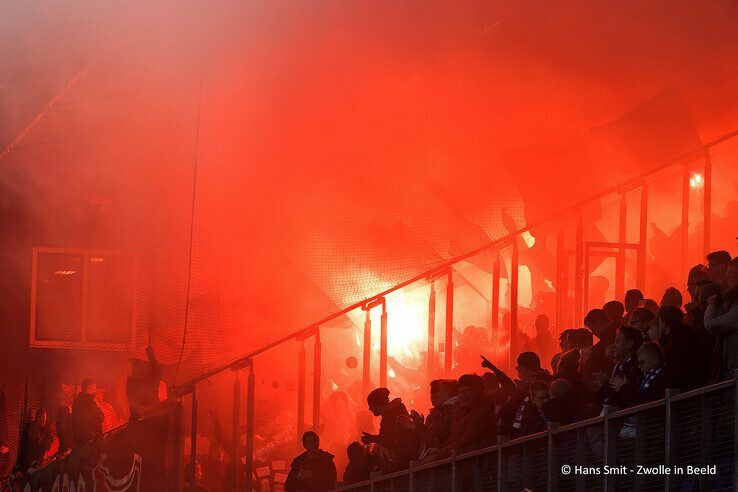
(299,458)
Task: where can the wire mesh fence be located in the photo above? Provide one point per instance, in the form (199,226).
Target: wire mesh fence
(644,448)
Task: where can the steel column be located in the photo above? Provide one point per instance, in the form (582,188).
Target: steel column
(579,272)
(707,203)
(622,239)
(560,285)
(317,354)
(250,402)
(430,354)
(234,430)
(449,324)
(514,300)
(495,335)
(685,224)
(366,382)
(383,347)
(301,362)
(642,240)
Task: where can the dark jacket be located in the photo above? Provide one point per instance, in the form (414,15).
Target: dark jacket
(725,326)
(565,411)
(528,420)
(652,386)
(87,419)
(320,465)
(437,427)
(472,428)
(622,398)
(680,354)
(38,442)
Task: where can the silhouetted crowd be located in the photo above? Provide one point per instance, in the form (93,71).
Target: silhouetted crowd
(81,424)
(642,348)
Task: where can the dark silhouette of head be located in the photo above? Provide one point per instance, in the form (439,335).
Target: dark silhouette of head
(672,297)
(469,388)
(627,342)
(614,311)
(598,322)
(632,300)
(311,441)
(378,399)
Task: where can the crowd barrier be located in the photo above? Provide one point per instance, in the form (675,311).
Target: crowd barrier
(686,441)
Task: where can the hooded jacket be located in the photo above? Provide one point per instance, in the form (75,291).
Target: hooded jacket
(322,468)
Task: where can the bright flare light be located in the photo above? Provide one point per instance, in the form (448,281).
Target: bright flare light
(696,180)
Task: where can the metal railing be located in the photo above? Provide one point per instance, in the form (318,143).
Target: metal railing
(444,272)
(648,447)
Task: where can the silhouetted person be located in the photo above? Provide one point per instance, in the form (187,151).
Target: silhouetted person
(542,343)
(679,348)
(731,275)
(580,338)
(672,297)
(595,360)
(199,487)
(615,312)
(514,393)
(64,428)
(436,428)
(359,466)
(529,417)
(568,370)
(87,418)
(398,441)
(625,374)
(473,422)
(564,345)
(717,266)
(655,377)
(562,407)
(632,301)
(724,324)
(38,438)
(640,319)
(313,470)
(142,386)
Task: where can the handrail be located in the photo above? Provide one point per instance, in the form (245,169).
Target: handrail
(185,387)
(551,432)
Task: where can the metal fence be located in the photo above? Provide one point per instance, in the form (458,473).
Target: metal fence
(684,442)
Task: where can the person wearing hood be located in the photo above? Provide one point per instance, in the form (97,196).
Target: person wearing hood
(397,439)
(313,470)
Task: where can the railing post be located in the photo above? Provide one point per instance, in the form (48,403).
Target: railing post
(607,445)
(501,464)
(622,239)
(454,454)
(193,440)
(669,436)
(642,240)
(373,476)
(685,223)
(705,414)
(317,354)
(640,447)
(413,464)
(366,382)
(581,457)
(301,362)
(579,272)
(383,347)
(735,429)
(514,300)
(449,348)
(495,335)
(553,477)
(235,426)
(250,401)
(561,286)
(707,202)
(477,475)
(431,350)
